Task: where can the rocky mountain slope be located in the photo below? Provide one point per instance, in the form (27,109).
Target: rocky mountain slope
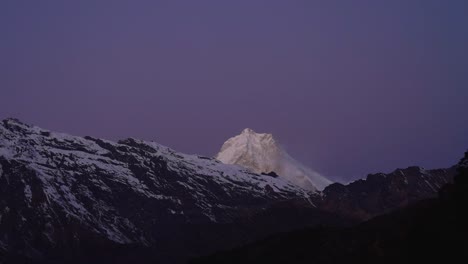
(430,231)
(72,199)
(381,193)
(261,153)
(61,194)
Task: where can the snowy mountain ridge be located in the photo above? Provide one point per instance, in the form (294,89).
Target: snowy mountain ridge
(261,153)
(122,191)
(63,197)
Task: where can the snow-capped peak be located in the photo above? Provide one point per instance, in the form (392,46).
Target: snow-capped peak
(248,131)
(261,153)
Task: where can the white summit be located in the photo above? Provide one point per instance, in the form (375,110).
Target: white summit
(261,153)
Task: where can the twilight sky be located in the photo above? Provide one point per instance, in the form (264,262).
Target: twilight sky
(349,87)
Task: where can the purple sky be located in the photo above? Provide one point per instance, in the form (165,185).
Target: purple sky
(349,87)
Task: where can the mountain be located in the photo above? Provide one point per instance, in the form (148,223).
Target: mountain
(261,153)
(66,198)
(361,200)
(429,231)
(382,193)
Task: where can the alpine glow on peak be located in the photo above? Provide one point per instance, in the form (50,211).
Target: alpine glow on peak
(261,153)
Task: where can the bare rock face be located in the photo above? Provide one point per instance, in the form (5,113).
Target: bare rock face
(261,153)
(381,193)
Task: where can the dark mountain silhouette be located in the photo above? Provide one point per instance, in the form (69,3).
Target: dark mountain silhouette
(431,231)
(382,193)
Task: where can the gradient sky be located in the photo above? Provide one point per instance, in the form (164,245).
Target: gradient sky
(349,87)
